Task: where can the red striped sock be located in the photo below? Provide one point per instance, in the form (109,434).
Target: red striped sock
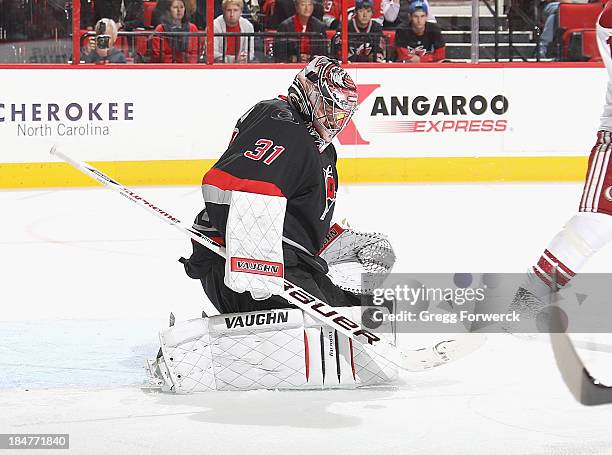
(554,273)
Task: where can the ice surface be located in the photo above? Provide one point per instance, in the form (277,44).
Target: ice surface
(60,353)
(88,279)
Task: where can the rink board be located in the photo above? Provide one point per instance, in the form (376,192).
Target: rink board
(167,126)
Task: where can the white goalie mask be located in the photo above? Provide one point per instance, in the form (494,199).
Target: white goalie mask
(326,96)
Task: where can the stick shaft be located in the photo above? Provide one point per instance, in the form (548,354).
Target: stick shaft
(140,201)
(294,294)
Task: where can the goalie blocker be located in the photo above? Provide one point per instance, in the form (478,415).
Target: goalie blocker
(274,349)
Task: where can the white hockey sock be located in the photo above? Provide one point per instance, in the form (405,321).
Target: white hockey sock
(582,236)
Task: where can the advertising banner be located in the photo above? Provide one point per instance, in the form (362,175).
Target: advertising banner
(115,115)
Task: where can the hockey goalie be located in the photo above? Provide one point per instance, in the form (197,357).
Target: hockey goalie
(269,201)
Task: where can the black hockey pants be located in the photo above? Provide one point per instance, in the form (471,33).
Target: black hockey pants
(300,269)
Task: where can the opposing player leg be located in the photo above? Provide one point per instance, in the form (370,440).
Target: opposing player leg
(582,236)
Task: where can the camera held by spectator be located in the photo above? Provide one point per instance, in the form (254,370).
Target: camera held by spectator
(100,48)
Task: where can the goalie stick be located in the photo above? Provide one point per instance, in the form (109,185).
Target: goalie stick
(410,360)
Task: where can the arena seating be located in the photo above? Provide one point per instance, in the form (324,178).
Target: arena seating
(148,13)
(575,18)
(582,46)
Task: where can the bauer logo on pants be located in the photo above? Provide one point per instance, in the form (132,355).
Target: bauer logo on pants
(257,267)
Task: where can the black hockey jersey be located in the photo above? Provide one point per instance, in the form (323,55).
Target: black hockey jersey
(428,43)
(272,153)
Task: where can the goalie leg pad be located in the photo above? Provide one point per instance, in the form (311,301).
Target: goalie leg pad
(338,361)
(274,349)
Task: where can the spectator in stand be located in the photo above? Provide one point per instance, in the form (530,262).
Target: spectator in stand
(161,8)
(366,40)
(230,49)
(250,11)
(332,12)
(420,41)
(302,48)
(100,48)
(394,11)
(191,11)
(179,47)
(550,14)
(284,9)
(127,14)
(190,8)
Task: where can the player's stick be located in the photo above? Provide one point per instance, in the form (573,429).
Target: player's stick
(411,360)
(583,386)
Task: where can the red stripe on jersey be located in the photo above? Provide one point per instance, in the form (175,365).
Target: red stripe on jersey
(228,182)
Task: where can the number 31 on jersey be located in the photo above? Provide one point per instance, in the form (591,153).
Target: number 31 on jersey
(263,145)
